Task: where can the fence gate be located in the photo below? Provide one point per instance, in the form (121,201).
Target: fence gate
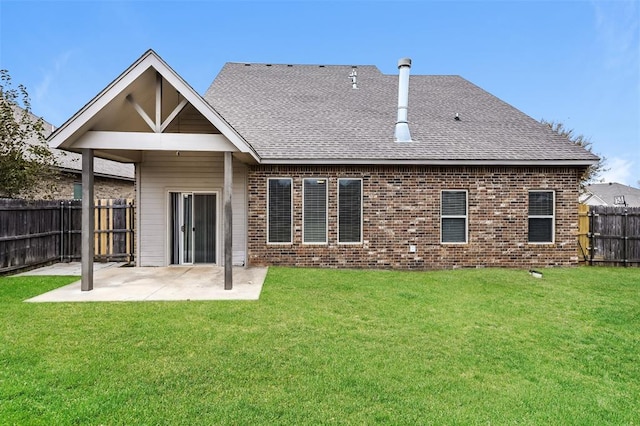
(609,235)
(114,226)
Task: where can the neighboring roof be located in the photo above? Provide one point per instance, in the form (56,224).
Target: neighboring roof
(72,162)
(606,194)
(311,114)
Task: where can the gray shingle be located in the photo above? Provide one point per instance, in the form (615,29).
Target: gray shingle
(72,162)
(607,193)
(311,112)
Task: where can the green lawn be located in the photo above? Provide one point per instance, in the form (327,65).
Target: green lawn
(461,347)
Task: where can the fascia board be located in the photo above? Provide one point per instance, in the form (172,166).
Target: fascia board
(418,162)
(62,137)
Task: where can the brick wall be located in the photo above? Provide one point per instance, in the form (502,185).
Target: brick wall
(401,207)
(62,188)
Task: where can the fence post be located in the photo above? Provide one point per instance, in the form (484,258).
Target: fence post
(65,230)
(130,239)
(69,252)
(591,238)
(61,231)
(111,235)
(583,232)
(96,219)
(625,238)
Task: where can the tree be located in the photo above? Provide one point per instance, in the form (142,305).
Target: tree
(594,170)
(26,162)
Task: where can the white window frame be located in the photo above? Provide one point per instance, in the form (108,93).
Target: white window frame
(326,211)
(465,217)
(290,210)
(361,212)
(552,217)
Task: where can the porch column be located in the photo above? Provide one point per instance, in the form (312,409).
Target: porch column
(228,216)
(87,220)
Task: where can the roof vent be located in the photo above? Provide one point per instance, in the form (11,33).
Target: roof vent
(402,125)
(354,78)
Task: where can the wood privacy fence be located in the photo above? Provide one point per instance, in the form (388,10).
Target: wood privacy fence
(609,235)
(43,231)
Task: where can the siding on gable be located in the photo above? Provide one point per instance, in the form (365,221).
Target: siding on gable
(191,121)
(161,172)
(401,209)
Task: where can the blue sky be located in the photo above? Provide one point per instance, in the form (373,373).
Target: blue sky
(576,62)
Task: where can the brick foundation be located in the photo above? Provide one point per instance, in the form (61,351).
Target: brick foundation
(401,207)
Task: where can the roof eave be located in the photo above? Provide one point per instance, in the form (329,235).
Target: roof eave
(96,174)
(425,162)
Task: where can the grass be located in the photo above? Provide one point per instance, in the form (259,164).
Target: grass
(333,347)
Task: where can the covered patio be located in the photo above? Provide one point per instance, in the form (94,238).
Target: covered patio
(128,284)
(188,163)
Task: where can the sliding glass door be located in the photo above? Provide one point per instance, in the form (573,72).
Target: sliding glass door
(193,228)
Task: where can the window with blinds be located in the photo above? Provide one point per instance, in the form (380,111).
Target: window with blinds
(541,216)
(349,210)
(279,210)
(453,216)
(314,213)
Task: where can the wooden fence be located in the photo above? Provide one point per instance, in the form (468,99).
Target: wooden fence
(609,235)
(42,231)
(114,225)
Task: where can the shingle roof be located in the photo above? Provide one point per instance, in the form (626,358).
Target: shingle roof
(72,162)
(311,112)
(607,193)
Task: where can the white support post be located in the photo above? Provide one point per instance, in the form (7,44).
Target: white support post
(88,230)
(227,217)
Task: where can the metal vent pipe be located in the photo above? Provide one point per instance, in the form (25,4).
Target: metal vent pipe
(402,133)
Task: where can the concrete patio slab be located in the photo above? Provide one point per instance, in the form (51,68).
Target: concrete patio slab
(128,284)
(68,268)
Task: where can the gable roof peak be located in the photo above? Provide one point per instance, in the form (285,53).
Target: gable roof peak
(120,88)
